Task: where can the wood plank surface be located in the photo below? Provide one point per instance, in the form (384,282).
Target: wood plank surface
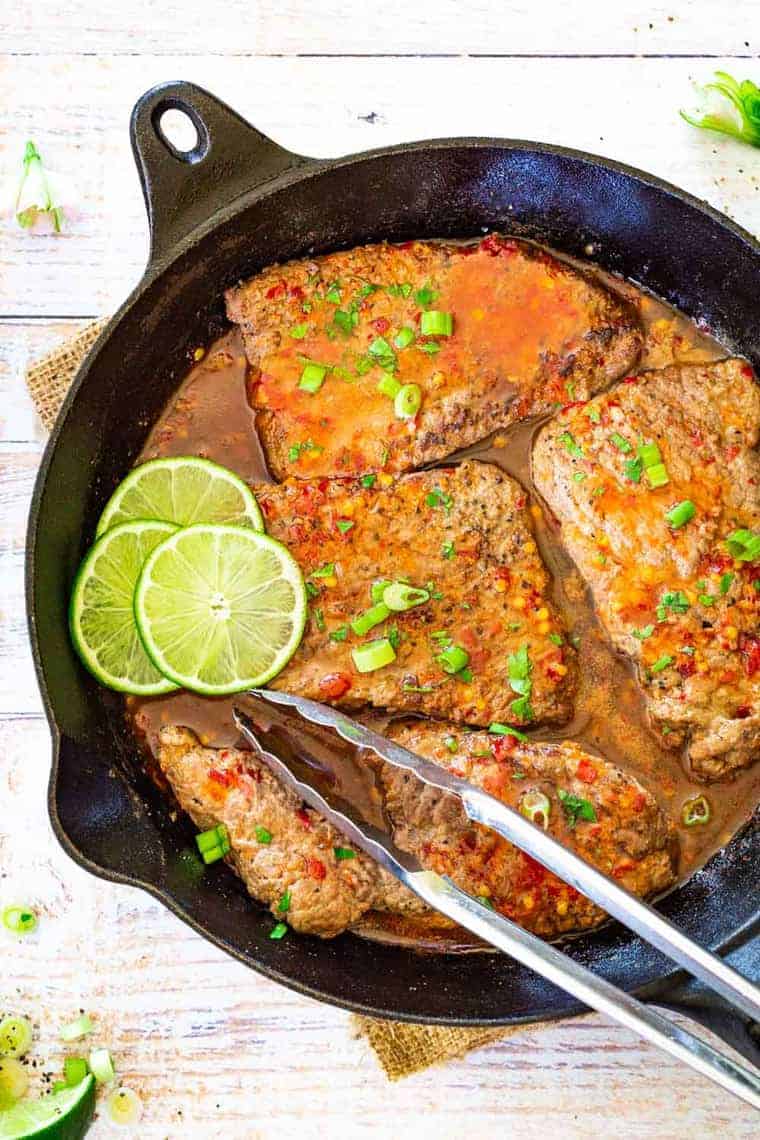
(215,1050)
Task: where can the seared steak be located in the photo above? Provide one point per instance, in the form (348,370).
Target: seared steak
(526,331)
(293,860)
(652,544)
(463,536)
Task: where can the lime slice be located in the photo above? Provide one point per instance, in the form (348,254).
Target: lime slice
(220,608)
(101,615)
(184,490)
(61,1116)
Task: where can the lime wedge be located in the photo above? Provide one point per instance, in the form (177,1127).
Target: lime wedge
(184,490)
(61,1116)
(220,608)
(101,615)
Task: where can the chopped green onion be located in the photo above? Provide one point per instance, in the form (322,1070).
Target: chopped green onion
(743,545)
(283,905)
(399,597)
(398,290)
(453,659)
(298,332)
(728,106)
(344,853)
(649,454)
(706,599)
(451,743)
(594,415)
(657,475)
(438,498)
(319,618)
(312,377)
(404,337)
(579,476)
(556,639)
(213,844)
(425,295)
(756,584)
(15,1037)
(80,1027)
(464,675)
(380,347)
(448,550)
(19,919)
(620,442)
(536,807)
(436,323)
(344,321)
(506,730)
(13,1082)
(377,589)
(674,601)
(326,571)
(333,293)
(124,1106)
(279,931)
(661,663)
(370,618)
(633,469)
(101,1066)
(389,387)
(74,1071)
(484,899)
(407,401)
(643,634)
(374,655)
(680,514)
(340,633)
(344,525)
(368,481)
(430,347)
(695,811)
(263,835)
(725,583)
(570,445)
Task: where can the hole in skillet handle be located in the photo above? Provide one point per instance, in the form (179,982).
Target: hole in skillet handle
(185,188)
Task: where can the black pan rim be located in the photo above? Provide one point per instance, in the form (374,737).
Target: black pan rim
(154,270)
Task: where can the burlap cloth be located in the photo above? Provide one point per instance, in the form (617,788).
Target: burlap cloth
(401,1048)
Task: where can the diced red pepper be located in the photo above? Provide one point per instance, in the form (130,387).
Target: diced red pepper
(304,818)
(586,771)
(687,667)
(381,325)
(743,712)
(223,778)
(502,746)
(316,869)
(334,685)
(297,292)
(749,644)
(277,290)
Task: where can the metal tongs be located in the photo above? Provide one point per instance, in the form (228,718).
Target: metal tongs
(346,796)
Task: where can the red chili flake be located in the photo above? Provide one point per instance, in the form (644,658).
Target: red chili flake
(586,771)
(631,379)
(687,667)
(381,324)
(749,646)
(316,869)
(303,818)
(277,290)
(747,371)
(502,746)
(223,778)
(334,685)
(732,452)
(743,712)
(504,573)
(622,868)
(297,292)
(640,802)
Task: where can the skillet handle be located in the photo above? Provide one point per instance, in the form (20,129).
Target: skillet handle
(184,189)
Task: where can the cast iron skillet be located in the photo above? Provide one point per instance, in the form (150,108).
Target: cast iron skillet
(236,203)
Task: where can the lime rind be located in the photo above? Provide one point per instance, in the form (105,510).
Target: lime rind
(65,1115)
(101,612)
(185,490)
(220,609)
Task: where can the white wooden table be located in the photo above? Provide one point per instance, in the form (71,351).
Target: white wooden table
(214,1049)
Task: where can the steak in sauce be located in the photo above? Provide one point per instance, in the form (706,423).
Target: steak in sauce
(669,592)
(527,332)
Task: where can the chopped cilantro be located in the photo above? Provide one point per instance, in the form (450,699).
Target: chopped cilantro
(567,440)
(575,808)
(398,290)
(312,591)
(519,668)
(393,636)
(326,571)
(340,633)
(556,639)
(674,601)
(725,583)
(298,332)
(333,293)
(579,476)
(594,415)
(643,634)
(484,899)
(660,664)
(363,365)
(425,296)
(263,835)
(368,480)
(319,619)
(296,451)
(448,550)
(344,525)
(620,442)
(506,730)
(438,498)
(345,322)
(464,674)
(706,599)
(633,469)
(344,853)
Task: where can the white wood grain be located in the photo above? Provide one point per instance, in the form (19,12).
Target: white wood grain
(625,109)
(427,27)
(215,1050)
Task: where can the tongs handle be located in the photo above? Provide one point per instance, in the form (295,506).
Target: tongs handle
(594,991)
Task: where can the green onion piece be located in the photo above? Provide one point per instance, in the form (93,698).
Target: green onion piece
(743,545)
(464,675)
(101,1066)
(374,655)
(344,853)
(404,337)
(725,583)
(263,835)
(13,1083)
(298,332)
(283,905)
(333,293)
(633,469)
(377,589)
(19,919)
(506,730)
(369,619)
(451,743)
(213,844)
(579,476)
(389,387)
(556,639)
(425,295)
(340,633)
(279,931)
(368,480)
(399,597)
(124,1106)
(657,475)
(567,440)
(407,401)
(436,323)
(695,811)
(80,1027)
(448,550)
(312,378)
(680,514)
(431,347)
(575,807)
(319,618)
(438,498)
(620,442)
(706,599)
(649,454)
(326,571)
(594,415)
(536,807)
(344,321)
(643,634)
(756,584)
(453,659)
(344,525)
(484,899)
(661,663)
(380,347)
(74,1071)
(15,1037)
